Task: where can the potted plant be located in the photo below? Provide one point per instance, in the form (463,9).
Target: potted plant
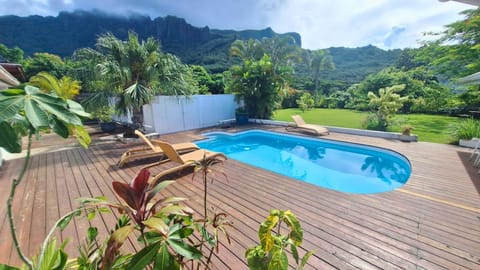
(241,116)
(104,116)
(407,135)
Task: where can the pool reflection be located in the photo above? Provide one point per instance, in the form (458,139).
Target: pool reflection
(385,169)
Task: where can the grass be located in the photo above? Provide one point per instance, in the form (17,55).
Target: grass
(429,128)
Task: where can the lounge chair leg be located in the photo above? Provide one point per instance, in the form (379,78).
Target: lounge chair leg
(123,159)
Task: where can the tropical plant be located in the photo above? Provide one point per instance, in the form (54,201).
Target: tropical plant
(283,51)
(258,85)
(134,72)
(66,87)
(290,97)
(251,50)
(320,60)
(83,65)
(27,112)
(104,114)
(467,129)
(165,226)
(271,252)
(12,55)
(305,102)
(455,52)
(218,221)
(420,84)
(202,79)
(386,104)
(51,63)
(338,99)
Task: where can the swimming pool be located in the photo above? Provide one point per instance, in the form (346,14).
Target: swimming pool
(341,166)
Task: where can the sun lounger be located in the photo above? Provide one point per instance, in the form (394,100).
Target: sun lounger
(152,149)
(183,160)
(315,129)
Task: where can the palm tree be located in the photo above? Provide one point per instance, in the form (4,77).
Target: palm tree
(130,68)
(251,50)
(320,60)
(134,72)
(282,50)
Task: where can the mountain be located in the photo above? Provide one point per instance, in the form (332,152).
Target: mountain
(354,64)
(63,34)
(68,31)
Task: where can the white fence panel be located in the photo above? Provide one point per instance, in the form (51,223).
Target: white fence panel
(167,114)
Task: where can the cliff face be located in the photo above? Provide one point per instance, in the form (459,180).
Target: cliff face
(173,30)
(68,31)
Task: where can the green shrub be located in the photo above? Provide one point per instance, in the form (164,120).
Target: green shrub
(467,129)
(386,104)
(258,84)
(305,102)
(103,113)
(374,122)
(289,100)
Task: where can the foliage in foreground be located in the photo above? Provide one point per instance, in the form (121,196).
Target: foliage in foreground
(271,252)
(27,112)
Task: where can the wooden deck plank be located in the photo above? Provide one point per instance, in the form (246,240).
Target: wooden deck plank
(317,225)
(11,172)
(430,223)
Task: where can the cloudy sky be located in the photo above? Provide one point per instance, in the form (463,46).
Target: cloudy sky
(322,23)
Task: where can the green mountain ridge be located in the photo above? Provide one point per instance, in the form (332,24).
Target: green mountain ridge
(63,34)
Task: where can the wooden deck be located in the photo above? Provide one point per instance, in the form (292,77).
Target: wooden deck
(433,222)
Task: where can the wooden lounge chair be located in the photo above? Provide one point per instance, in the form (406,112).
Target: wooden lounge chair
(184,160)
(152,149)
(315,129)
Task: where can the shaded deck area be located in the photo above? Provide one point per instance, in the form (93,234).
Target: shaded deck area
(433,222)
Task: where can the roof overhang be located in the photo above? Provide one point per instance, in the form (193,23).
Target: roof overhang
(6,79)
(15,70)
(469,2)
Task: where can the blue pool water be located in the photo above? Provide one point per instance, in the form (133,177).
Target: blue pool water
(335,165)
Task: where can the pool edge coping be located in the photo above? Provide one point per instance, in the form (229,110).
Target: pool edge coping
(352,131)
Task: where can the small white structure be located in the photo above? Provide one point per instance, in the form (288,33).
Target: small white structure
(168,114)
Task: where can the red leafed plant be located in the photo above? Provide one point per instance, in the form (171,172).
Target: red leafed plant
(137,195)
(165,227)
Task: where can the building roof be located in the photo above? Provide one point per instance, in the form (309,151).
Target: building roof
(470,2)
(16,70)
(6,79)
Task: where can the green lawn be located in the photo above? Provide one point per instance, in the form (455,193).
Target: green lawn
(429,128)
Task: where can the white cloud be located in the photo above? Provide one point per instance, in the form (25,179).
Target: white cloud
(353,23)
(321,23)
